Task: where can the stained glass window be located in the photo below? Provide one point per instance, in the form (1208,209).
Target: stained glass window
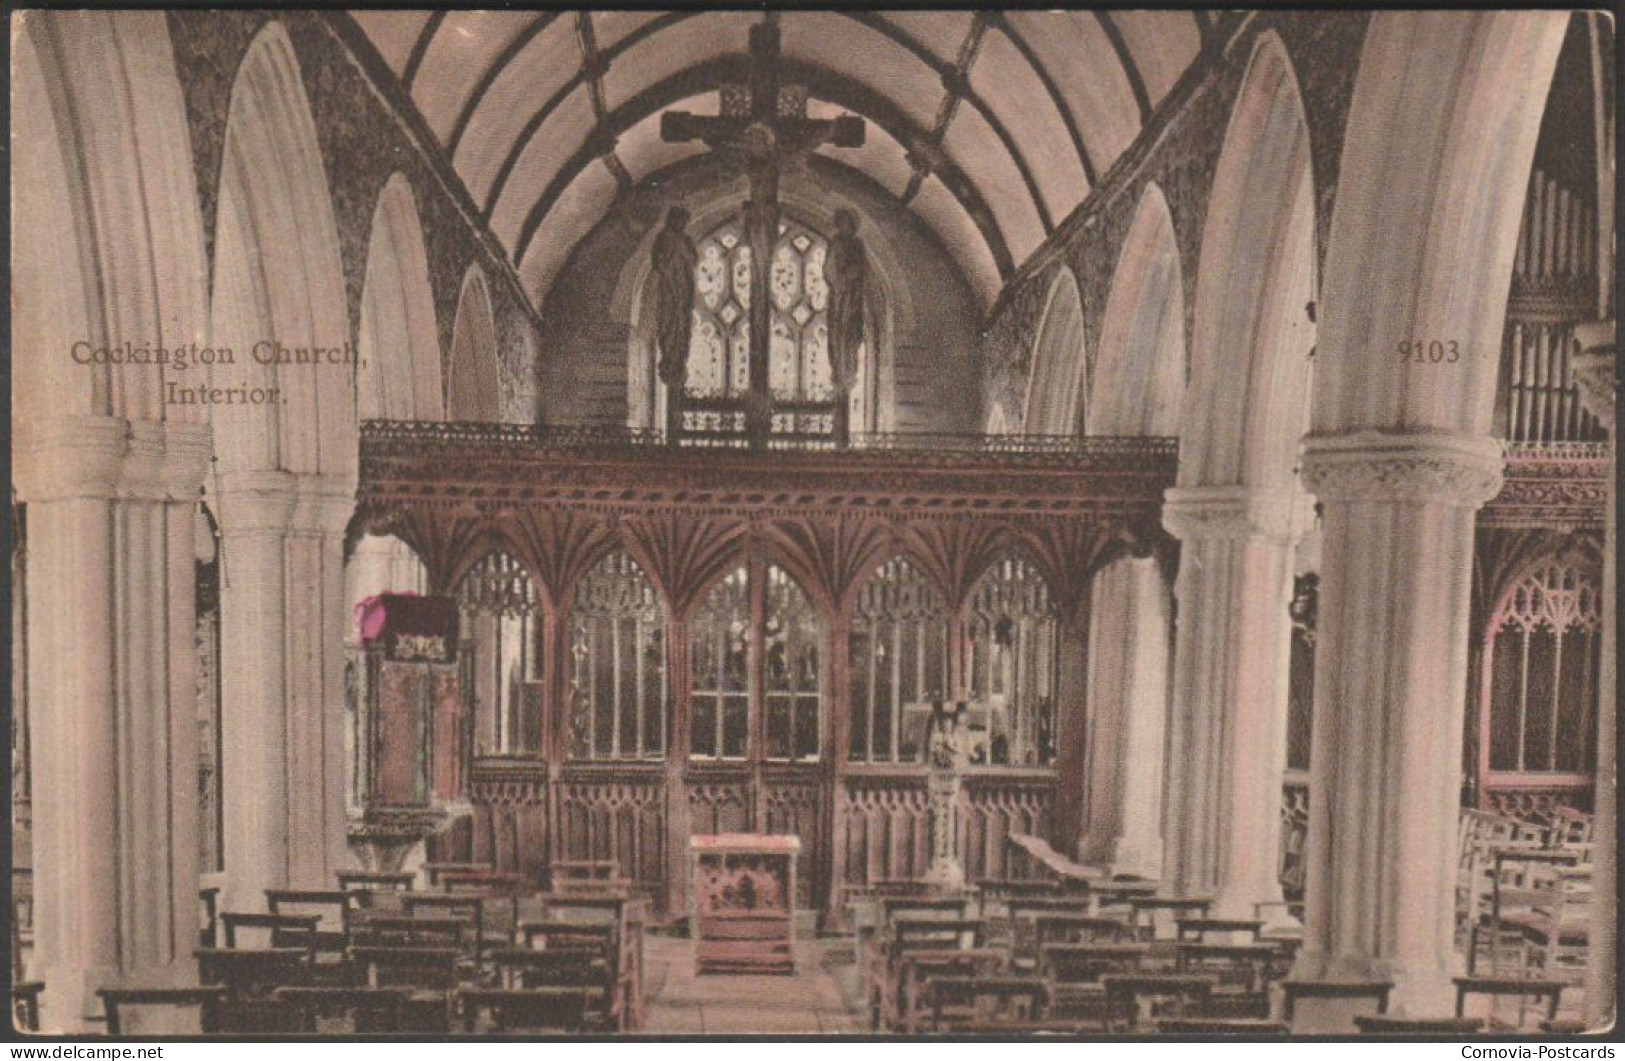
(798,350)
(617,664)
(1013,638)
(1542,668)
(899,663)
(732,658)
(500,611)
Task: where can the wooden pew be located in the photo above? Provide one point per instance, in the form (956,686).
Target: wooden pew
(25,1004)
(364,879)
(361,1010)
(1185,995)
(285,930)
(985,1003)
(546,1009)
(333,906)
(251,975)
(204,999)
(427,968)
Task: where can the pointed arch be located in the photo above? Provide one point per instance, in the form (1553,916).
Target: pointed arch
(1256,277)
(398,372)
(1139,377)
(105,209)
(1439,147)
(279,280)
(473,388)
(1055,389)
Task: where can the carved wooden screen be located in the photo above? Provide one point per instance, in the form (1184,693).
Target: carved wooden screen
(1012,634)
(790,638)
(899,649)
(1541,666)
(617,664)
(500,611)
(720,646)
(740,613)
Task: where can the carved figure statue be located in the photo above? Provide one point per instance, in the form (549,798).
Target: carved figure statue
(671,290)
(846,271)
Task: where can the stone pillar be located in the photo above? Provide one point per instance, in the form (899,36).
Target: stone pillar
(1595,373)
(283,617)
(1227,731)
(253,510)
(318,619)
(112,695)
(1397,514)
(1127,712)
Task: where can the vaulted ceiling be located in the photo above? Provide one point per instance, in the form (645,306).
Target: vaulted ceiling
(990,127)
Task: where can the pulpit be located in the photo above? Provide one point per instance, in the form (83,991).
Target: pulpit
(742,910)
(411,723)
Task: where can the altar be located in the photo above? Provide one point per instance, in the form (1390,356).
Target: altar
(742,913)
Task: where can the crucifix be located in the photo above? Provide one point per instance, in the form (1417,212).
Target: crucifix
(763,129)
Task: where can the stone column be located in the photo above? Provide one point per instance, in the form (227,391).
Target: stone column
(318,618)
(1227,730)
(112,695)
(1397,513)
(1595,372)
(253,510)
(284,617)
(1127,712)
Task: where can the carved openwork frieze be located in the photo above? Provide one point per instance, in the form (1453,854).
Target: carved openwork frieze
(557,499)
(1553,486)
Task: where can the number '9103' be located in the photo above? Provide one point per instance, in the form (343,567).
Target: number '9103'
(1430,352)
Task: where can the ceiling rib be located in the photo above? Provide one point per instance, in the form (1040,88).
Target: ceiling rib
(1002,24)
(1125,58)
(420,48)
(490,75)
(822,84)
(956,81)
(601,140)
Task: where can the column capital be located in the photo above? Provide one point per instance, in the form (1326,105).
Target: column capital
(254,502)
(324,505)
(1229,513)
(166,461)
(1462,471)
(68,457)
(108,457)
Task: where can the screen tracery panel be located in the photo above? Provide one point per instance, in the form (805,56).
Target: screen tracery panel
(720,645)
(1542,661)
(756,664)
(1012,631)
(501,610)
(899,652)
(617,663)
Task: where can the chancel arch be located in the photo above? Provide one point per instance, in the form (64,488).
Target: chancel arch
(398,373)
(1238,509)
(284,482)
(473,376)
(1139,389)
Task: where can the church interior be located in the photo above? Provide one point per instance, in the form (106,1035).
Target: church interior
(1139,561)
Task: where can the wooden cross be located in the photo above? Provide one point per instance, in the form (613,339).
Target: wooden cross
(763,127)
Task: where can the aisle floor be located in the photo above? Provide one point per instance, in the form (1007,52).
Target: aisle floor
(820,998)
